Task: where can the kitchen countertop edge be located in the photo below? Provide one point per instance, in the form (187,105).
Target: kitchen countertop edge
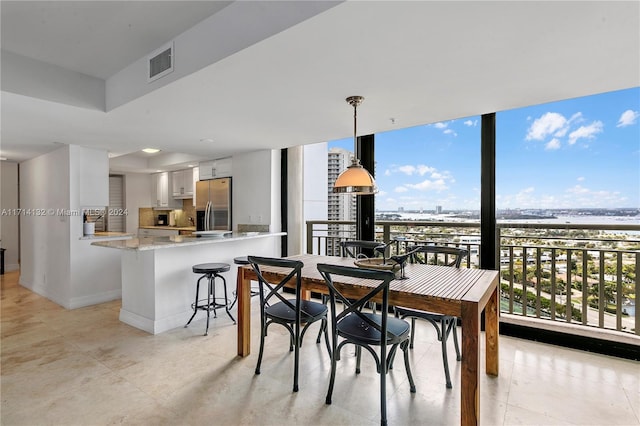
(153,243)
(108,236)
(173,228)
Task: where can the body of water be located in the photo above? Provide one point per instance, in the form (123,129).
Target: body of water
(574,219)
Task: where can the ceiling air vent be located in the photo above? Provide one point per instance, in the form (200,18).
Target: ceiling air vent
(160,62)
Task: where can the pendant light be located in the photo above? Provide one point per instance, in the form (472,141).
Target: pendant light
(356,179)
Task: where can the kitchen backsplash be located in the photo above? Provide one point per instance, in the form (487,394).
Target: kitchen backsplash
(147,216)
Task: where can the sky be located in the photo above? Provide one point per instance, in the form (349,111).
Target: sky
(577,153)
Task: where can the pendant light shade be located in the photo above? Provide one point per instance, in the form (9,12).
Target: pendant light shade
(356,179)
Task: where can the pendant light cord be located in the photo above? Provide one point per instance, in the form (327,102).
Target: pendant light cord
(355,134)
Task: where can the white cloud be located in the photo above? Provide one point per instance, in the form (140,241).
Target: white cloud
(400,189)
(577,190)
(450,132)
(470,123)
(580,179)
(628,118)
(552,144)
(387,172)
(440,125)
(407,170)
(549,123)
(381,193)
(585,132)
(429,185)
(422,169)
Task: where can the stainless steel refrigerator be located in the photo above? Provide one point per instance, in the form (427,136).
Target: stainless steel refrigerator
(213,204)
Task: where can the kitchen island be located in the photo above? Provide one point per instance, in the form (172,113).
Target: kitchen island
(158,285)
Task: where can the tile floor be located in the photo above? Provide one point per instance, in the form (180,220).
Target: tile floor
(85,367)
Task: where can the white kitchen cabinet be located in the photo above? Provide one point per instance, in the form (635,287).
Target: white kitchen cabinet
(215,168)
(155,232)
(182,186)
(161,195)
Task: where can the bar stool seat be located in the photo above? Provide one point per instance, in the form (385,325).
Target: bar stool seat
(211,271)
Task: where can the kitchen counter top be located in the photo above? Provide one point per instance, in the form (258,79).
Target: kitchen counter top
(153,243)
(177,228)
(107,236)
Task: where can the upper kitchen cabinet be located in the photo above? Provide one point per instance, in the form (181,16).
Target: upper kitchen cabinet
(161,191)
(183,183)
(215,168)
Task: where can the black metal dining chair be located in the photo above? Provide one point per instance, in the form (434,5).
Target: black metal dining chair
(291,314)
(358,249)
(366,330)
(361,248)
(445,325)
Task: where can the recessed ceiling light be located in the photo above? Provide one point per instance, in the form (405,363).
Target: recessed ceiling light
(191,165)
(3,158)
(151,150)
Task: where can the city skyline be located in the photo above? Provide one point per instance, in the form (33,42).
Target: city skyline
(576,153)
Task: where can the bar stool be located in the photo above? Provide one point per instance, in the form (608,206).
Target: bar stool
(211,271)
(240,261)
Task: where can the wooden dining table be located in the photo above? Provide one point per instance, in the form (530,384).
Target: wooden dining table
(459,292)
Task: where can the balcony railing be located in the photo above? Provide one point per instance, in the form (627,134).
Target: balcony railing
(572,273)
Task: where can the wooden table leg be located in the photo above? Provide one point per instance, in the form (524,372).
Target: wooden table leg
(243,288)
(469,382)
(492,314)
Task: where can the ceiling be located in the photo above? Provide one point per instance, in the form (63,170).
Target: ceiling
(415,62)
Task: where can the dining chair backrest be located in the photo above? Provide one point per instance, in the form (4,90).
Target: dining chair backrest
(361,248)
(379,284)
(270,291)
(438,255)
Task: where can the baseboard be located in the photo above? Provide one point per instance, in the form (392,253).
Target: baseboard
(618,344)
(94,299)
(157,326)
(11,267)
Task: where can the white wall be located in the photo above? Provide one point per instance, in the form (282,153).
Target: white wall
(137,189)
(42,80)
(315,195)
(55,261)
(45,239)
(8,221)
(295,192)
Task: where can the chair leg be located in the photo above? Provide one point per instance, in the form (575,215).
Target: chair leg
(383,385)
(211,288)
(407,366)
(358,357)
(195,304)
(296,356)
(413,331)
(334,361)
(262,336)
(455,339)
(226,301)
(325,324)
(443,342)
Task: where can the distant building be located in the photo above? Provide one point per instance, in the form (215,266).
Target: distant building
(438,209)
(340,206)
(400,209)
